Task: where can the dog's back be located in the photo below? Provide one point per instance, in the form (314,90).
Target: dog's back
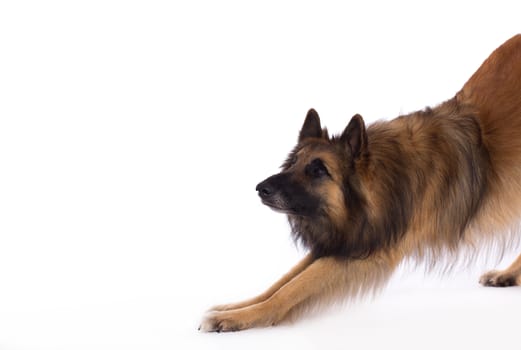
(495,91)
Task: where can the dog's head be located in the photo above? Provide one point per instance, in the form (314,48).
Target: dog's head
(315,178)
(319,187)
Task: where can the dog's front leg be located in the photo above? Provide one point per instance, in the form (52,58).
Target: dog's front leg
(296,270)
(325,279)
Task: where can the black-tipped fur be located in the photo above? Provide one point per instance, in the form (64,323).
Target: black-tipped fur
(384,174)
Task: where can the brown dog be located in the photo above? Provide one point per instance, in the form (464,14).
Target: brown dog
(427,185)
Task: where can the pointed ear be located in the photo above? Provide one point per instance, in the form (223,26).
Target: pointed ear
(311,127)
(354,136)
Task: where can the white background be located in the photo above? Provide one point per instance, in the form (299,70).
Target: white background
(132,135)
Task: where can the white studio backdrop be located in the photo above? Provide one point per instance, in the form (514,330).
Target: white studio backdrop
(133,133)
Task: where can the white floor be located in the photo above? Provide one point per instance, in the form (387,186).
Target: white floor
(132,135)
(451,312)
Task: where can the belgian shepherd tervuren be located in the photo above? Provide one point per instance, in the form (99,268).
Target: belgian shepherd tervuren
(431,185)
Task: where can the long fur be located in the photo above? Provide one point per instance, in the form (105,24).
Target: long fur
(432,186)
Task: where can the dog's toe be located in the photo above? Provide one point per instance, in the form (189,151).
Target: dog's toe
(209,323)
(220,321)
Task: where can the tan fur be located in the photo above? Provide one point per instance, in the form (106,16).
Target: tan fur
(494,90)
(296,270)
(493,94)
(332,190)
(324,280)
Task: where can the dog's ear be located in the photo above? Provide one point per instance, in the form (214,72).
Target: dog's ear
(355,136)
(311,127)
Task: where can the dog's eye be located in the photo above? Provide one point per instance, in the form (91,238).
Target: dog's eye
(316,169)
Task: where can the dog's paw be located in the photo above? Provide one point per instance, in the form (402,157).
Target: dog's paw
(499,279)
(221,321)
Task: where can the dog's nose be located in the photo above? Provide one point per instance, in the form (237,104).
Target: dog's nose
(264,189)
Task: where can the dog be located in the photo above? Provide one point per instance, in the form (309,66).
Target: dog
(427,186)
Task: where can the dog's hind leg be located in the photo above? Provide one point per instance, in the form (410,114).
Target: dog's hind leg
(297,269)
(503,278)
